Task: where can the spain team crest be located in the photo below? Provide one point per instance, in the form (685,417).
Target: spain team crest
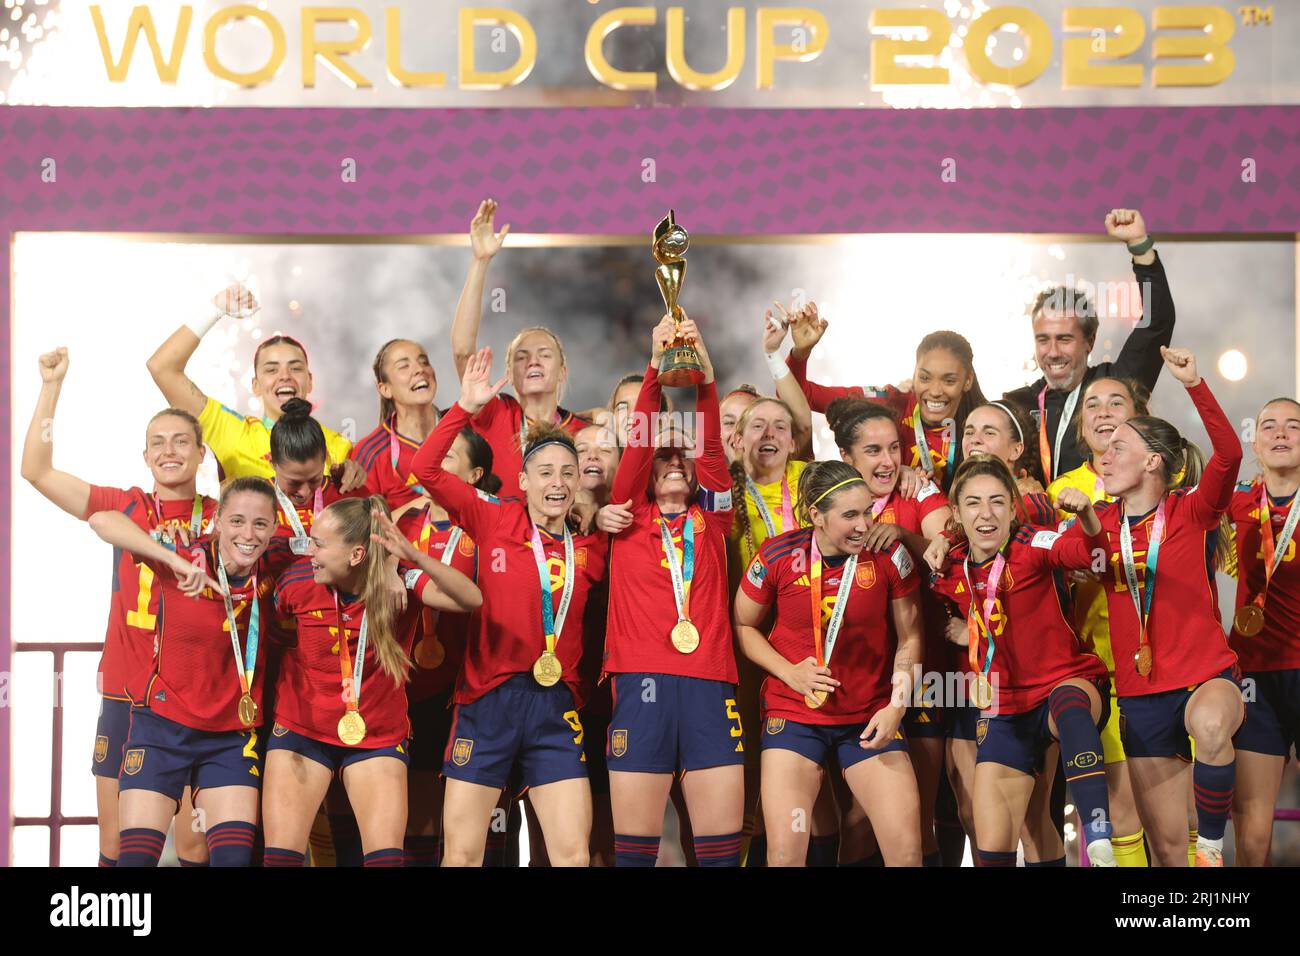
(279,730)
(865,575)
(466,546)
(461,750)
(697,522)
(132,761)
(618,742)
(101,749)
(579,558)
(981,730)
(775,725)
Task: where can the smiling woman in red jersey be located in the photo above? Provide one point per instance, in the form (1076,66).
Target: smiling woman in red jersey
(519,692)
(867,436)
(1176,676)
(824,592)
(350,636)
(197,724)
(932,416)
(173,452)
(538,371)
(1035,685)
(1266,627)
(668,645)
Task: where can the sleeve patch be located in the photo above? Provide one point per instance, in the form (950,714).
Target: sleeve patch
(903,561)
(715,500)
(757,573)
(412,578)
(490,499)
(926,490)
(1045,539)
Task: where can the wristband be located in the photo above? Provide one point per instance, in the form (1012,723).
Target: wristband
(202,324)
(1141,247)
(776,365)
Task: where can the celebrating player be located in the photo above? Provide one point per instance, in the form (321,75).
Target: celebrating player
(197,723)
(820,582)
(241,444)
(1175,673)
(516,699)
(361,733)
(173,450)
(1266,627)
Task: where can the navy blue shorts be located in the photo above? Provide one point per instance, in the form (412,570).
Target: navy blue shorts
(663,723)
(1021,741)
(166,757)
(518,721)
(963,722)
(1152,725)
(925,722)
(430,727)
(1272,724)
(110,736)
(818,741)
(334,756)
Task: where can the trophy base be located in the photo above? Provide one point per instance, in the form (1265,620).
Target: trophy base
(680,367)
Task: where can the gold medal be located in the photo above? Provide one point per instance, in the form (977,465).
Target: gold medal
(1249,620)
(247,711)
(547,669)
(817,698)
(1143,659)
(982,694)
(429,653)
(686,638)
(352,728)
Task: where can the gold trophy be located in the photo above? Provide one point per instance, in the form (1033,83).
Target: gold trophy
(680,364)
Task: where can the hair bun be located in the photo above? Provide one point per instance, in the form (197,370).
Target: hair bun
(296,408)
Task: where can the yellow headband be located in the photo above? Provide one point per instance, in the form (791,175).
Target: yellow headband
(846,481)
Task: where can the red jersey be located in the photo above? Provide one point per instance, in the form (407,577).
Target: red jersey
(642,608)
(374,453)
(1277,646)
(939,439)
(1184,629)
(306,515)
(509,636)
(127,661)
(501,423)
(194,680)
(447,628)
(863,655)
(1034,646)
(309,694)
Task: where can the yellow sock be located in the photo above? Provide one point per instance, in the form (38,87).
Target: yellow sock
(1192,836)
(1129,850)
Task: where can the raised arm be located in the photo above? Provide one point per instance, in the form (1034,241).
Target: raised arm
(167,365)
(1213,492)
(448,589)
(67,491)
(484,244)
(806,332)
(1082,546)
(788,388)
(632,477)
(1140,356)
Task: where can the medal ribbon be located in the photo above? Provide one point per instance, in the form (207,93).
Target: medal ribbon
(1050,455)
(429,616)
(248,665)
(787,509)
(196,516)
(1274,552)
(978,621)
(291,513)
(923,446)
(823,649)
(682,574)
(1143,605)
(351,673)
(552,623)
(394,451)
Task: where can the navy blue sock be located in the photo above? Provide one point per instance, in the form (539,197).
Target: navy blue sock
(1060,862)
(387,857)
(635,851)
(421,850)
(140,846)
(275,856)
(875,860)
(191,863)
(106,861)
(1081,759)
(347,839)
(824,850)
(757,855)
(932,859)
(997,858)
(720,850)
(1213,789)
(231,843)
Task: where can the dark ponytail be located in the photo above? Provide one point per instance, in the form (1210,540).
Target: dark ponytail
(297,437)
(847,415)
(480,456)
(818,486)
